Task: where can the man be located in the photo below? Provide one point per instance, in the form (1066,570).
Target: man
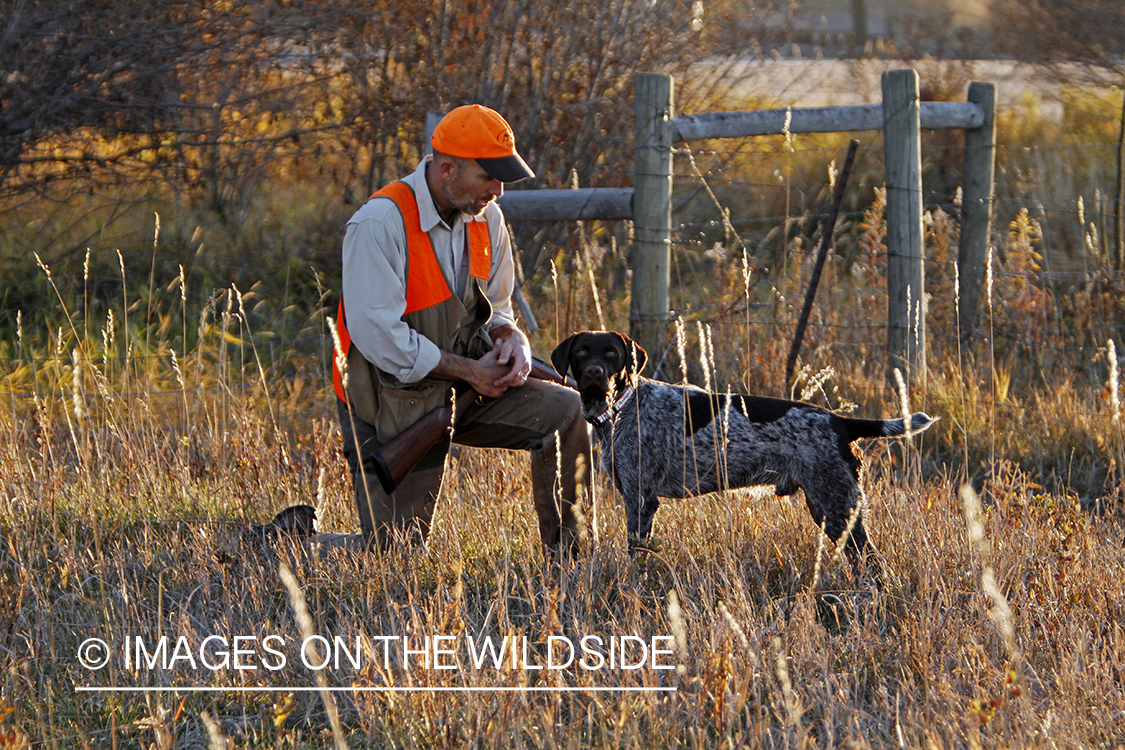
(427,282)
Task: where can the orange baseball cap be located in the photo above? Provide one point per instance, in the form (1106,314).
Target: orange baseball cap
(477,132)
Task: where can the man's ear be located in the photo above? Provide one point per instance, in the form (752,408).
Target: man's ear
(635,353)
(560,357)
(445,165)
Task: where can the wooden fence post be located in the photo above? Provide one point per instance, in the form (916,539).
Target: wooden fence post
(902,146)
(976,207)
(652,211)
(432,120)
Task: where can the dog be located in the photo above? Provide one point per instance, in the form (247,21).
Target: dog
(298,521)
(661,440)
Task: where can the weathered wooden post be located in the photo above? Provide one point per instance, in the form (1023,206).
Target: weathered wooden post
(652,211)
(902,147)
(432,120)
(976,207)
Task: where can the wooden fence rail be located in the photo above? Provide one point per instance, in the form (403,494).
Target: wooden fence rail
(852,119)
(582,204)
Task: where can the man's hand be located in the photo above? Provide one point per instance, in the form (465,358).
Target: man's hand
(507,365)
(481,374)
(512,349)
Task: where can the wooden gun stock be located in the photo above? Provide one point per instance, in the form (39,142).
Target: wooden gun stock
(402,453)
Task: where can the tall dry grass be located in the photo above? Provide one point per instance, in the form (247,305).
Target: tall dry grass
(128,475)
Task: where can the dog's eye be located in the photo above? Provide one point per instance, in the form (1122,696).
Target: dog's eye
(612,353)
(581,353)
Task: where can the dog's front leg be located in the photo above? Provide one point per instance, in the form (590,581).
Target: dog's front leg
(645,511)
(639,513)
(631,497)
(639,509)
(630,491)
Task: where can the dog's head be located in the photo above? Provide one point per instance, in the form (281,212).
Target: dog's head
(601,362)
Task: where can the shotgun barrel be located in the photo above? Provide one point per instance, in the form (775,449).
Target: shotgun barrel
(402,453)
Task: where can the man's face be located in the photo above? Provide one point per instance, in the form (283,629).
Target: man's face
(468,188)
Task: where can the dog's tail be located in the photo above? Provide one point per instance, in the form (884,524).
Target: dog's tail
(878,428)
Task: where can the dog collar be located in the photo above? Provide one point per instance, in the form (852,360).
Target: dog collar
(616,407)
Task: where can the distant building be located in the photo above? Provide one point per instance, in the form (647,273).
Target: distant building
(845,28)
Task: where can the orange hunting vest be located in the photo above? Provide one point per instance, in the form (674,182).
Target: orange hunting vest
(425,283)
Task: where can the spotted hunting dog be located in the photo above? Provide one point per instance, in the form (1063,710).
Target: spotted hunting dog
(660,440)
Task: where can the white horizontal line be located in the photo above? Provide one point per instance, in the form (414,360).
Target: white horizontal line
(307,689)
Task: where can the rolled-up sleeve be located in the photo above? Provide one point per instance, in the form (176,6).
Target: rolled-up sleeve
(374,288)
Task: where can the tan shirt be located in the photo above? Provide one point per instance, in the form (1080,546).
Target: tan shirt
(375,278)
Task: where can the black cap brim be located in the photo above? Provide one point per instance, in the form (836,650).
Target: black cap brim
(506,168)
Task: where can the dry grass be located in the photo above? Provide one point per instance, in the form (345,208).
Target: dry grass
(122,514)
(139,549)
(127,477)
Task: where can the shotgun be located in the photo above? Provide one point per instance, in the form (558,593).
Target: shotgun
(402,453)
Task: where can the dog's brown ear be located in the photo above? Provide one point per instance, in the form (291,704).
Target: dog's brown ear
(560,357)
(638,357)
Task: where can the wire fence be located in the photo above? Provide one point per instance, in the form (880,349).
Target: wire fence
(776,198)
(756,206)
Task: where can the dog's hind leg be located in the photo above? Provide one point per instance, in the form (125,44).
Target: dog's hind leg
(836,504)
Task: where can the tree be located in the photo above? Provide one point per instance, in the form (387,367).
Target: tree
(204,99)
(560,71)
(1089,33)
(147,91)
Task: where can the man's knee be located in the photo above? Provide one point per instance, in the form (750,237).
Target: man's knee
(567,408)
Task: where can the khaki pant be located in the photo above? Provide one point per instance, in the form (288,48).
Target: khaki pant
(524,418)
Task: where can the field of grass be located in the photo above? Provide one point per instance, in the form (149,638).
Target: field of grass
(146,420)
(128,478)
